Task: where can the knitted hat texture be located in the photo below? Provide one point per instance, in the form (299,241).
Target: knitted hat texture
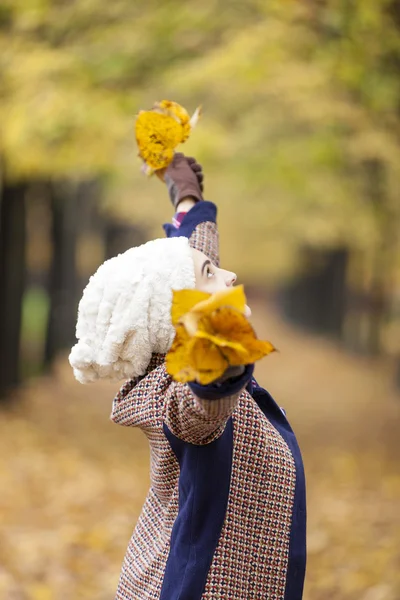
(125,311)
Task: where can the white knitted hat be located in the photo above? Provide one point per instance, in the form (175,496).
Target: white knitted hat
(125,311)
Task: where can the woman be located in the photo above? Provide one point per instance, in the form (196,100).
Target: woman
(225,516)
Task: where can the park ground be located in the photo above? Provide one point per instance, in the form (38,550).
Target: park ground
(72,483)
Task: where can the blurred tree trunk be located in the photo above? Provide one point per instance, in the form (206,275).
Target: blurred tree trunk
(371,303)
(12,281)
(381,291)
(63,280)
(119,237)
(75,217)
(316,299)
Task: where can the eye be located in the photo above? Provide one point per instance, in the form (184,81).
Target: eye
(209,272)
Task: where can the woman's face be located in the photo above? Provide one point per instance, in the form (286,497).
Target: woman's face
(210,278)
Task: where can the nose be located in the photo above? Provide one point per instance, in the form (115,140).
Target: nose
(230,279)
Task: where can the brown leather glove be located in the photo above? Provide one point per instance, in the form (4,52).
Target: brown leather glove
(184,179)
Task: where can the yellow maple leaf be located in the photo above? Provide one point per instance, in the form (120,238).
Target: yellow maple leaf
(212,333)
(159,131)
(183,301)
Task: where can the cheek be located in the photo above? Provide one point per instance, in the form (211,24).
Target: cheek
(204,286)
(210,285)
(214,284)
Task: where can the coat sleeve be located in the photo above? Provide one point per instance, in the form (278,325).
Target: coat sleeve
(200,226)
(140,401)
(198,414)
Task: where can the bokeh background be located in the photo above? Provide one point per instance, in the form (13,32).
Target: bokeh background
(300,144)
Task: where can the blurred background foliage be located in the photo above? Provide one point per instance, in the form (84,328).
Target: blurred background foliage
(300,145)
(299,142)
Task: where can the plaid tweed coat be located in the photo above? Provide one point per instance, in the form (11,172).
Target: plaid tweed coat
(225,516)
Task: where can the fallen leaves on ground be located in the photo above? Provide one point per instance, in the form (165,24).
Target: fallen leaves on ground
(72,483)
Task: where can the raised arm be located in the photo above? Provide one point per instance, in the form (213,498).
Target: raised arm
(198,414)
(194,413)
(195,218)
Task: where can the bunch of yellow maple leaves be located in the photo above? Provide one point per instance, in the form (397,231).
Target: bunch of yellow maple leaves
(160,130)
(212,334)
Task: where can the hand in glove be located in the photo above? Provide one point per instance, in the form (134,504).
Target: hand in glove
(184,179)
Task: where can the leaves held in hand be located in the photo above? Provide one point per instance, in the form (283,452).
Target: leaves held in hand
(212,334)
(160,130)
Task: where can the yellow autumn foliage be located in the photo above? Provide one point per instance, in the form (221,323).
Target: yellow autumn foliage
(212,334)
(160,130)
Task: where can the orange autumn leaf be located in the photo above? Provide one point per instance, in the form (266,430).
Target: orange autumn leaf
(160,130)
(233,297)
(207,360)
(233,325)
(178,358)
(212,333)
